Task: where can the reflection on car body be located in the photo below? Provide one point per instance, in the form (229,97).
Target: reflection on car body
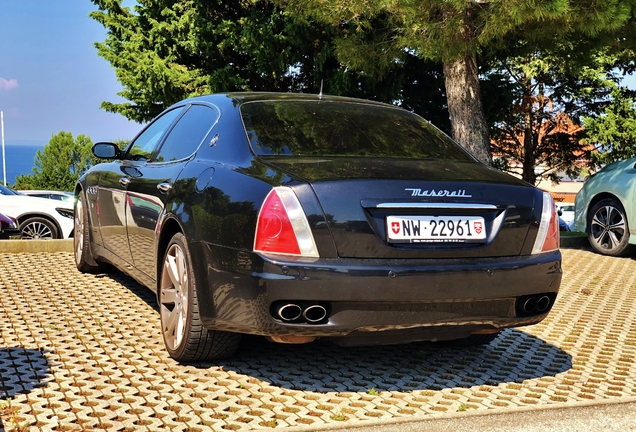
(280,215)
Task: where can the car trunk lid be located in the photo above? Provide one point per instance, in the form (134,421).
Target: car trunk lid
(366,200)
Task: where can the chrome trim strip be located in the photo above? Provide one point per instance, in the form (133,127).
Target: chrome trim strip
(430,205)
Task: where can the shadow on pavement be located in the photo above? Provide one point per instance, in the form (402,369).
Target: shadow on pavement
(513,357)
(21,371)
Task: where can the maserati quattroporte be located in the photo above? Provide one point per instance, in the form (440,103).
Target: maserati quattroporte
(299,217)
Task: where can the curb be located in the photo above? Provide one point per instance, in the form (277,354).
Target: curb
(20,246)
(577,242)
(459,415)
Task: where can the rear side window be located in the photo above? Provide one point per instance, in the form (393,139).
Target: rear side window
(336,128)
(186,136)
(142,147)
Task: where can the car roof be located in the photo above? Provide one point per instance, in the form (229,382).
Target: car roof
(239,98)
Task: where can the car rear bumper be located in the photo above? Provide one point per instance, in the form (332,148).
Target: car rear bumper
(402,299)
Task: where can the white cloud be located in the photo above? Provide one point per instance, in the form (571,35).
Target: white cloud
(8,84)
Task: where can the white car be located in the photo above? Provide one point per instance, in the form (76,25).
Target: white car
(39,218)
(55,195)
(566,212)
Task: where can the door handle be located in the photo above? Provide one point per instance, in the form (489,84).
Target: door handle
(124,182)
(164,187)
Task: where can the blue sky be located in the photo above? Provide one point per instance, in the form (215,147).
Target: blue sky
(51,78)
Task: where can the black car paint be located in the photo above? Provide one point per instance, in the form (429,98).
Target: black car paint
(217,193)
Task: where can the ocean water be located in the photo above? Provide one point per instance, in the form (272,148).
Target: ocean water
(19,160)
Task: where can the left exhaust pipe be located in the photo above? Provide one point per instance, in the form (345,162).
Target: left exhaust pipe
(289,312)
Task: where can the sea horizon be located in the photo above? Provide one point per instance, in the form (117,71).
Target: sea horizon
(19,157)
(23,142)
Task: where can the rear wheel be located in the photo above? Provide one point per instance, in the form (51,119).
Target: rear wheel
(81,239)
(37,228)
(608,229)
(183,333)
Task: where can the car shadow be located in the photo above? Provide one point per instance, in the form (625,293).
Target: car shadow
(513,357)
(22,370)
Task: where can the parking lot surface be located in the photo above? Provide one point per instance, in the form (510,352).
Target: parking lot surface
(82,352)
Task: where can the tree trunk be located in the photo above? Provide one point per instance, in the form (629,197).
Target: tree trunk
(468,123)
(528,148)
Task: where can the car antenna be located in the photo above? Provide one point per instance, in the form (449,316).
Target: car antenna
(320,94)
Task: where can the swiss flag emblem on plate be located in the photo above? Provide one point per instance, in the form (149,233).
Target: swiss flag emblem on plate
(395,227)
(478,227)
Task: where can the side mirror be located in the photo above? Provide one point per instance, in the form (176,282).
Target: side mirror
(560,212)
(106,150)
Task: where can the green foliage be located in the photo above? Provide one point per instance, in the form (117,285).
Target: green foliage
(554,88)
(167,50)
(613,133)
(455,32)
(60,164)
(449,30)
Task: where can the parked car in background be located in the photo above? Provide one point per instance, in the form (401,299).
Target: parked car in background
(9,228)
(299,217)
(566,213)
(605,208)
(56,195)
(38,218)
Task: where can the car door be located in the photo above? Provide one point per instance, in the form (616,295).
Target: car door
(114,182)
(150,191)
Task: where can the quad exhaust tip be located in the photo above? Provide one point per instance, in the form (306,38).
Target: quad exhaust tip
(298,313)
(535,304)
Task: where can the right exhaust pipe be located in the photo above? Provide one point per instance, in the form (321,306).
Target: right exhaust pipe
(314,313)
(543,303)
(535,304)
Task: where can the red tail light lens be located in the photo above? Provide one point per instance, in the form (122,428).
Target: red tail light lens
(282,227)
(548,235)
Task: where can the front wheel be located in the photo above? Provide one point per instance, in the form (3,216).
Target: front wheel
(37,228)
(608,230)
(183,333)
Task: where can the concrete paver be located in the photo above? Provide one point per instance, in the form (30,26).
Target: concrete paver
(82,352)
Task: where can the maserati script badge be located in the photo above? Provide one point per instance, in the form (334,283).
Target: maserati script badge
(438,193)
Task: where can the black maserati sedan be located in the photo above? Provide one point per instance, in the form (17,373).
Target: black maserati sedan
(298,217)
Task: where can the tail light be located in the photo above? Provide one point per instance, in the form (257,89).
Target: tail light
(282,226)
(548,236)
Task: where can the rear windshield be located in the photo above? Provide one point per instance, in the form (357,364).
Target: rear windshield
(327,128)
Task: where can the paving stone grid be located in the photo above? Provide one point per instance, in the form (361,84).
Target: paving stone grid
(84,352)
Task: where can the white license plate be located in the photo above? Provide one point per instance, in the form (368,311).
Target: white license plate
(435,229)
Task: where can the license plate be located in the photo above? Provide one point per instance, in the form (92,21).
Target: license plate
(435,229)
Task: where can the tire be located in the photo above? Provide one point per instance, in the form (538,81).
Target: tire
(471,341)
(183,333)
(38,228)
(81,240)
(608,231)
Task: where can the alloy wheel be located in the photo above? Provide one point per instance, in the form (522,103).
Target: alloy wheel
(174,297)
(36,231)
(608,227)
